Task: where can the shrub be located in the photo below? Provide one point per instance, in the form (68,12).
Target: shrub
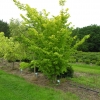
(98,63)
(70,71)
(24,65)
(92,56)
(80,60)
(93,61)
(87,61)
(72,60)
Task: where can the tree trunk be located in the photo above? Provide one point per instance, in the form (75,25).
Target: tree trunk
(54,79)
(13,65)
(34,69)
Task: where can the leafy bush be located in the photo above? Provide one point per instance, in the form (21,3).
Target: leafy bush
(73,60)
(98,63)
(70,71)
(80,60)
(92,56)
(93,61)
(85,57)
(87,61)
(24,65)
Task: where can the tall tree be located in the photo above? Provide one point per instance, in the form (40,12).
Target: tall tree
(4,27)
(48,40)
(92,44)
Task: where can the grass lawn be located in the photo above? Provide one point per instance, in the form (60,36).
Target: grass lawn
(92,69)
(89,75)
(13,87)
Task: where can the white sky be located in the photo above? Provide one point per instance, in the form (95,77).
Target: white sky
(82,12)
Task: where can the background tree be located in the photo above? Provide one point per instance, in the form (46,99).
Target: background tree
(17,31)
(16,27)
(4,27)
(92,44)
(3,43)
(13,51)
(9,49)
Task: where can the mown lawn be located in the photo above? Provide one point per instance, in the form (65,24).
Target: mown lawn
(13,87)
(89,75)
(93,69)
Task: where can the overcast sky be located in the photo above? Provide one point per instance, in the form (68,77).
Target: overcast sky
(82,12)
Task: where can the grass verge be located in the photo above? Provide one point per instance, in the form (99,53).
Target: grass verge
(89,75)
(13,87)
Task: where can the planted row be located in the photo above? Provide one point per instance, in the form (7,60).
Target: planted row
(86,57)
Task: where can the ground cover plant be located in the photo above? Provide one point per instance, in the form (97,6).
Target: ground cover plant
(13,87)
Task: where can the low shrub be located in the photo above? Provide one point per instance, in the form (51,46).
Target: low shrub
(70,71)
(98,63)
(87,61)
(72,60)
(24,65)
(93,61)
(80,60)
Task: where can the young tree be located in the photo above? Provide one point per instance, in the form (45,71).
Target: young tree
(9,49)
(3,43)
(49,40)
(12,51)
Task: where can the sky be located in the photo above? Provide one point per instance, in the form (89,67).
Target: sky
(82,12)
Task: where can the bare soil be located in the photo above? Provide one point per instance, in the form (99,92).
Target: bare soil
(41,80)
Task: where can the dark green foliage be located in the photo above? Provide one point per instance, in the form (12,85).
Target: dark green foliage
(70,71)
(87,61)
(4,27)
(72,59)
(98,63)
(92,44)
(93,61)
(80,60)
(36,69)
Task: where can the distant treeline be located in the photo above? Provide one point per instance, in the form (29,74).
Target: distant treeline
(4,27)
(92,44)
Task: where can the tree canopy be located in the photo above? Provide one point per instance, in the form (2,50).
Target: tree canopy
(92,44)
(4,27)
(48,41)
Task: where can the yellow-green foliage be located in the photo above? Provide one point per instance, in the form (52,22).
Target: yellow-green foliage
(48,40)
(24,65)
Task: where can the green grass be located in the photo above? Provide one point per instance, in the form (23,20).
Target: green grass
(89,75)
(13,87)
(92,69)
